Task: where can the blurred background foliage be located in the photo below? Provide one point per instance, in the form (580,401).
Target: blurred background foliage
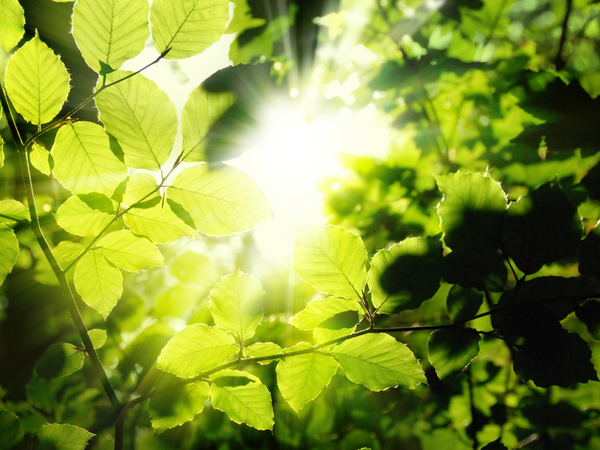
(505,87)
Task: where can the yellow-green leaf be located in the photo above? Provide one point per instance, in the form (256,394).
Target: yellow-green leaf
(83,160)
(132,253)
(141,187)
(13,212)
(9,250)
(85,215)
(260,349)
(39,158)
(324,309)
(56,436)
(110,31)
(98,282)
(37,82)
(220,199)
(158,223)
(187,27)
(67,251)
(98,337)
(12,22)
(141,117)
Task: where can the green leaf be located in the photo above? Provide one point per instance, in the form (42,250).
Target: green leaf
(141,187)
(260,349)
(200,112)
(463,303)
(132,253)
(85,215)
(379,362)
(98,337)
(236,304)
(83,160)
(67,251)
(158,223)
(12,22)
(37,82)
(11,430)
(60,360)
(9,250)
(173,404)
(62,437)
(250,403)
(332,260)
(39,158)
(110,31)
(322,335)
(471,211)
(220,199)
(13,212)
(187,27)
(99,283)
(589,314)
(196,348)
(301,378)
(141,117)
(322,309)
(406,275)
(450,351)
(541,228)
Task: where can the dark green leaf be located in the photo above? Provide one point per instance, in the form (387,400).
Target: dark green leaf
(11,431)
(450,351)
(463,303)
(589,254)
(589,313)
(62,437)
(60,360)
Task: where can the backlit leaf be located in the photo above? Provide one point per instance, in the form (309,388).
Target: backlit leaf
(379,362)
(99,283)
(174,404)
(12,21)
(98,337)
(9,250)
(450,351)
(187,27)
(406,275)
(141,117)
(85,215)
(158,223)
(56,436)
(260,349)
(301,378)
(67,251)
(60,360)
(83,161)
(37,82)
(39,158)
(332,260)
(320,310)
(141,187)
(221,200)
(110,31)
(11,430)
(249,403)
(13,212)
(196,348)
(236,304)
(200,112)
(132,253)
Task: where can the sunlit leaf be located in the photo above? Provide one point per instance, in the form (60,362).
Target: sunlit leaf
(141,117)
(322,309)
(37,82)
(62,437)
(221,200)
(99,283)
(141,187)
(158,223)
(13,212)
(12,21)
(332,260)
(196,348)
(450,351)
(406,275)
(9,250)
(187,27)
(194,268)
(39,158)
(174,403)
(200,112)
(249,403)
(85,215)
(110,31)
(132,253)
(260,349)
(60,360)
(98,337)
(236,304)
(11,430)
(301,378)
(67,251)
(379,362)
(83,161)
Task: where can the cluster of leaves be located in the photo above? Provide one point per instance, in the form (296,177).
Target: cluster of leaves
(504,277)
